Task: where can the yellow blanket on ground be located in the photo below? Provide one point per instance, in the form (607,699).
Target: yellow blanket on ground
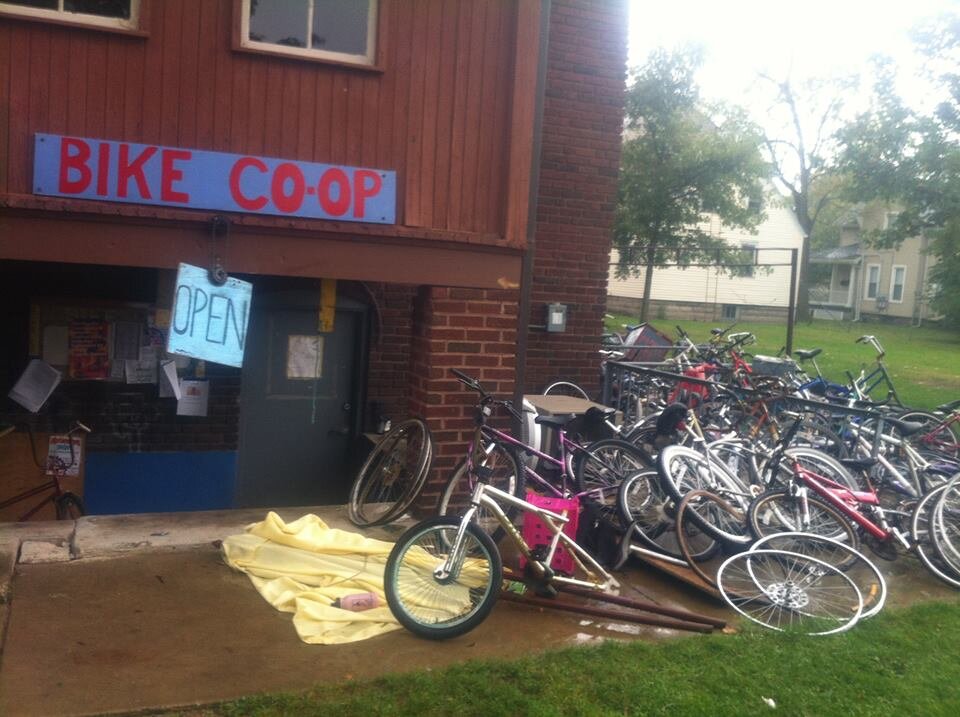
(303,566)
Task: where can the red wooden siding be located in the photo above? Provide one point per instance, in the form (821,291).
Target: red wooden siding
(441,111)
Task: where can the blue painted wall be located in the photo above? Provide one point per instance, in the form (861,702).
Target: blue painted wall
(159,482)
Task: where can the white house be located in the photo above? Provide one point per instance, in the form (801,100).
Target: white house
(711,293)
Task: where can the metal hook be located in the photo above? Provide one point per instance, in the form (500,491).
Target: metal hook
(219,226)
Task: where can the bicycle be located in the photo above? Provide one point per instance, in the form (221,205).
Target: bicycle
(595,470)
(68,505)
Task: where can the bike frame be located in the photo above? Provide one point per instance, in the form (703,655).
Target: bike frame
(488,497)
(843,499)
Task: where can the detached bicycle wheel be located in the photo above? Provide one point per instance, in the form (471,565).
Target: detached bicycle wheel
(603,466)
(433,604)
(789,592)
(920,533)
(392,475)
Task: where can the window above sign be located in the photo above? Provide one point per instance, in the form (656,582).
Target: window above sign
(120,14)
(333,30)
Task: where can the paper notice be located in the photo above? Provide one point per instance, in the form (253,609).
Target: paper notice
(55,344)
(169,383)
(194,397)
(35,385)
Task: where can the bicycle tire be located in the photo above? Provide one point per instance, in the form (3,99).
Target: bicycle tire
(716,517)
(392,475)
(565,388)
(945,525)
(683,469)
(507,475)
(789,592)
(69,507)
(644,505)
(922,540)
(870,581)
(441,608)
(603,466)
(777,511)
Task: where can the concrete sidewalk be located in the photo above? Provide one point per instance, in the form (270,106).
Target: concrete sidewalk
(146,615)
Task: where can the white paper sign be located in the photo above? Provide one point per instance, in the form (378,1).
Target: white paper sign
(35,385)
(194,397)
(59,458)
(169,383)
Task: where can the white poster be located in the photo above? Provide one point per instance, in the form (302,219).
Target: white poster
(194,397)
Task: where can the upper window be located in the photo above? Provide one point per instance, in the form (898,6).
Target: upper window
(898,278)
(873,281)
(340,30)
(105,13)
(747,261)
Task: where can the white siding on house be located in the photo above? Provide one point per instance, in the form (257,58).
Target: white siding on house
(709,285)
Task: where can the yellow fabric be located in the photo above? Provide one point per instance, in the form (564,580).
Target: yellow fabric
(303,566)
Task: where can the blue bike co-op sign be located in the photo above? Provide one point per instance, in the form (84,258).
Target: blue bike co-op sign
(195,179)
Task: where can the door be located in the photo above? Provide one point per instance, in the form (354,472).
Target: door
(299,399)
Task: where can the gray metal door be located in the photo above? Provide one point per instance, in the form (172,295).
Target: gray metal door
(298,401)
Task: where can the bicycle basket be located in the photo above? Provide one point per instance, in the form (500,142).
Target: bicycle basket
(536,533)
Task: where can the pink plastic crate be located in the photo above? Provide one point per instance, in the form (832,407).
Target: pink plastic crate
(536,533)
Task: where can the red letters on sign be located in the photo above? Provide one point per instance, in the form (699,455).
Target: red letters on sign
(77,162)
(169,174)
(281,200)
(127,170)
(339,206)
(361,191)
(250,204)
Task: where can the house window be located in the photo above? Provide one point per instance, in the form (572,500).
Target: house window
(105,13)
(873,281)
(889,219)
(730,312)
(339,30)
(748,259)
(897,279)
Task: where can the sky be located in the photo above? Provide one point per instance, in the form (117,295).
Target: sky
(799,39)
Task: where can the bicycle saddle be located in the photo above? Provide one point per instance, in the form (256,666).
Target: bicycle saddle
(558,421)
(948,407)
(858,464)
(906,428)
(807,354)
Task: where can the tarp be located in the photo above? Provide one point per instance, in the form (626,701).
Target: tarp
(303,566)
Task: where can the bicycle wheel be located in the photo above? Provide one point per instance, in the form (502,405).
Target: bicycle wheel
(439,606)
(778,511)
(823,464)
(392,475)
(565,388)
(789,592)
(717,517)
(937,437)
(603,466)
(69,507)
(738,457)
(644,504)
(684,469)
(505,473)
(945,524)
(864,573)
(923,541)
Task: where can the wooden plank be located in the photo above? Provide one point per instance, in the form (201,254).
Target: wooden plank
(133,69)
(307,108)
(415,136)
(152,69)
(491,62)
(255,109)
(322,116)
(19,140)
(5,80)
(403,54)
(431,99)
(499,160)
(188,41)
(115,87)
(223,91)
(57,90)
(372,117)
(39,71)
(354,120)
(471,139)
(96,87)
(241,79)
(459,118)
(681,573)
(521,122)
(386,52)
(290,111)
(444,130)
(206,72)
(170,74)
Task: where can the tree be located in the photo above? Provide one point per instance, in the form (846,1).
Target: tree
(682,160)
(801,153)
(911,160)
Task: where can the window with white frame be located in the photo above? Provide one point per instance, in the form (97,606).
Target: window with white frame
(339,30)
(873,281)
(898,277)
(748,260)
(123,14)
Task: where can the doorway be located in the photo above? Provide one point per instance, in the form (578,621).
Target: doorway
(301,396)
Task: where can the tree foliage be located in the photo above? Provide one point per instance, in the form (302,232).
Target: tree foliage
(683,159)
(911,160)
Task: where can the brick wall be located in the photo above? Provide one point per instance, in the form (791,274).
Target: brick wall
(473,330)
(580,158)
(387,380)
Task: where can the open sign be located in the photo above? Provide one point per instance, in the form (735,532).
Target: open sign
(197,179)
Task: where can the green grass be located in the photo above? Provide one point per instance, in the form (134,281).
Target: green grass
(923,362)
(903,662)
